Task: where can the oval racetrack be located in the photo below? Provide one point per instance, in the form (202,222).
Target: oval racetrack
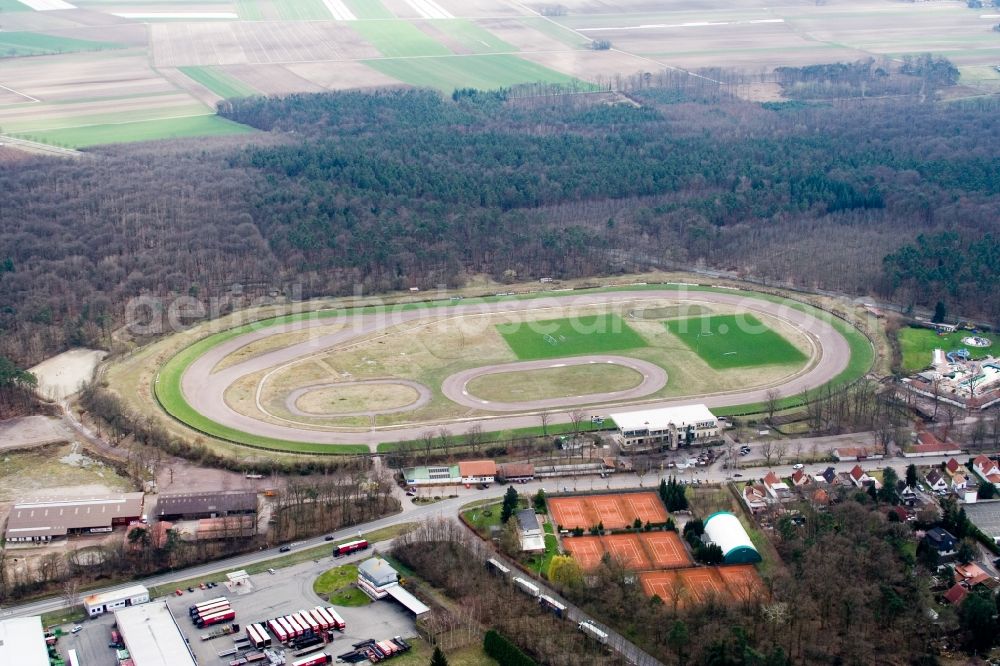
(205,390)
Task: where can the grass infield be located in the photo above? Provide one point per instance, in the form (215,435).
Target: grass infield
(734,341)
(558,338)
(169,396)
(917,345)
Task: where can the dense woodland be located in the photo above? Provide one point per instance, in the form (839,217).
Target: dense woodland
(394,189)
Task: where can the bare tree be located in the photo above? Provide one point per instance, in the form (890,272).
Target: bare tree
(771,399)
(427,438)
(474,438)
(576,417)
(780,449)
(544,418)
(70,590)
(767,450)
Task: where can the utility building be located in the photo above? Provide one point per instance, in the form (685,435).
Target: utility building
(665,428)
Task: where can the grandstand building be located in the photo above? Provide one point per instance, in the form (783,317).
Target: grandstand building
(668,427)
(725,530)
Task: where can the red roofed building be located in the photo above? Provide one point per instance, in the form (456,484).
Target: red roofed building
(477,471)
(952,465)
(929,445)
(860,477)
(776,488)
(956,594)
(755,497)
(987,469)
(800,478)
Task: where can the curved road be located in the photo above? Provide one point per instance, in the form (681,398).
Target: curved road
(653,379)
(205,390)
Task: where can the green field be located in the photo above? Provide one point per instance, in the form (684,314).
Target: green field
(219,82)
(485,72)
(337,587)
(368,9)
(556,31)
(557,338)
(14,44)
(472,37)
(734,341)
(302,10)
(144,130)
(917,344)
(398,39)
(572,380)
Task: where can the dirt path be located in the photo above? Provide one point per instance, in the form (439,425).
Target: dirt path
(206,390)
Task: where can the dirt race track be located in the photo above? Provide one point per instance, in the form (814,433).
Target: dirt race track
(205,389)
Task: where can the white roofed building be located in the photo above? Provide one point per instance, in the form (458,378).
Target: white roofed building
(106,602)
(725,530)
(22,642)
(152,637)
(667,427)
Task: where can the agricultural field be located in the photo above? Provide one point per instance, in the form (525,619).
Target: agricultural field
(50,90)
(918,344)
(734,341)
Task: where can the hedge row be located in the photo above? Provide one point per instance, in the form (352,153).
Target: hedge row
(504,651)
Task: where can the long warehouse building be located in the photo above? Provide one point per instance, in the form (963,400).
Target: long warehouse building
(152,637)
(48,519)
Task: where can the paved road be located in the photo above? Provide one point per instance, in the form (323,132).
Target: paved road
(205,388)
(455,387)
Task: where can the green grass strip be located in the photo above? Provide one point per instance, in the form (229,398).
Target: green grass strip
(398,39)
(484,72)
(143,130)
(14,44)
(368,9)
(472,37)
(917,345)
(559,338)
(734,341)
(219,82)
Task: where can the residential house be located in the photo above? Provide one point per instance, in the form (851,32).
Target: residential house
(530,532)
(987,470)
(755,497)
(929,445)
(829,475)
(775,487)
(907,495)
(935,480)
(956,594)
(845,453)
(821,498)
(952,466)
(972,574)
(941,540)
(860,478)
(800,479)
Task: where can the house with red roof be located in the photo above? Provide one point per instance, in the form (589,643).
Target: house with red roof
(755,497)
(800,478)
(928,444)
(775,487)
(952,466)
(956,594)
(860,478)
(987,470)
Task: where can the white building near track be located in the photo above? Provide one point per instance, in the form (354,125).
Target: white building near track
(670,427)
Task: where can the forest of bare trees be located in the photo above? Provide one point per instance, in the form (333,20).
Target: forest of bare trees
(388,190)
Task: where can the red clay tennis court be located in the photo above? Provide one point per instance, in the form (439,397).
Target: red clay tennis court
(700,584)
(586,550)
(665,550)
(614,510)
(627,549)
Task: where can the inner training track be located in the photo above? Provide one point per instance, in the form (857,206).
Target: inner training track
(205,390)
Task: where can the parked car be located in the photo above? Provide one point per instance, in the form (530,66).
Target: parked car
(202,586)
(798,466)
(178,592)
(284,549)
(737,476)
(328,537)
(271,571)
(410,493)
(191,589)
(76,629)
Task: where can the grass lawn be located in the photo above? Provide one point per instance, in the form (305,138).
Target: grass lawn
(219,82)
(557,338)
(368,9)
(13,44)
(554,382)
(483,518)
(337,586)
(398,39)
(485,72)
(918,343)
(145,130)
(472,37)
(420,655)
(734,341)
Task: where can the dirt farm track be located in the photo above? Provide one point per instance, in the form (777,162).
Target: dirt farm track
(204,386)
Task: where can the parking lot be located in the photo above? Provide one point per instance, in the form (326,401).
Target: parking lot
(286,591)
